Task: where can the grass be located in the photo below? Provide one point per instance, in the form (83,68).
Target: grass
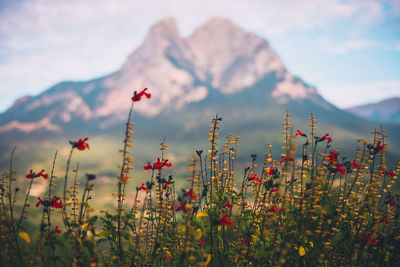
(313,206)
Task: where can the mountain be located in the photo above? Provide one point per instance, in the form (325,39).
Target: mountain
(387,110)
(220,68)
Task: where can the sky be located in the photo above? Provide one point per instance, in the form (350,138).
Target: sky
(348,50)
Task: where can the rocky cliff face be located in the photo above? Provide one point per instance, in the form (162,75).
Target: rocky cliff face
(217,56)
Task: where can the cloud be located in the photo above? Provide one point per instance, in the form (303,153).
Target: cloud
(345,47)
(353,94)
(46,41)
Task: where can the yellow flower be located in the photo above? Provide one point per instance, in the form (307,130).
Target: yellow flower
(198,234)
(302,251)
(201,214)
(25,237)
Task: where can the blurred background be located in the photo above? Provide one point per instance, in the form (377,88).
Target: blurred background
(68,70)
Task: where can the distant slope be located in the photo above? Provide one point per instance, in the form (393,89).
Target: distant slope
(387,110)
(220,68)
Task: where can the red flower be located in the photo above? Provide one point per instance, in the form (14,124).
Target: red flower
(333,156)
(225,220)
(391,173)
(300,133)
(283,159)
(58,231)
(325,137)
(144,188)
(384,220)
(52,203)
(273,190)
(166,184)
(55,204)
(190,194)
(32,175)
(275,210)
(80,144)
(157,165)
(244,243)
(180,207)
(148,166)
(228,204)
(165,257)
(391,202)
(379,146)
(202,242)
(371,240)
(354,164)
(271,170)
(138,96)
(338,167)
(39,202)
(94,260)
(253,177)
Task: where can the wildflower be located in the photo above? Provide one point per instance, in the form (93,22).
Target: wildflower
(275,210)
(157,165)
(58,231)
(244,243)
(391,202)
(384,220)
(253,177)
(391,173)
(271,170)
(300,133)
(224,219)
(181,207)
(39,202)
(80,144)
(201,214)
(333,156)
(228,204)
(166,184)
(32,175)
(142,187)
(202,242)
(190,194)
(138,96)
(325,137)
(379,147)
(94,260)
(354,164)
(367,238)
(165,257)
(284,158)
(148,166)
(55,202)
(338,167)
(273,190)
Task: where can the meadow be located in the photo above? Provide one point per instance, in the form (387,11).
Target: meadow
(313,207)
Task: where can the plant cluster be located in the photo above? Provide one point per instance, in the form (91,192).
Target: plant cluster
(313,207)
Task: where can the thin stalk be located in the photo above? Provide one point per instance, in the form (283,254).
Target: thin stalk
(64,213)
(12,209)
(24,206)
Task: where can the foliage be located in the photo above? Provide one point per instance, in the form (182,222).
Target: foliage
(313,207)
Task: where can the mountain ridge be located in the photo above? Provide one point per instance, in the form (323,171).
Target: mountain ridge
(220,68)
(387,110)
